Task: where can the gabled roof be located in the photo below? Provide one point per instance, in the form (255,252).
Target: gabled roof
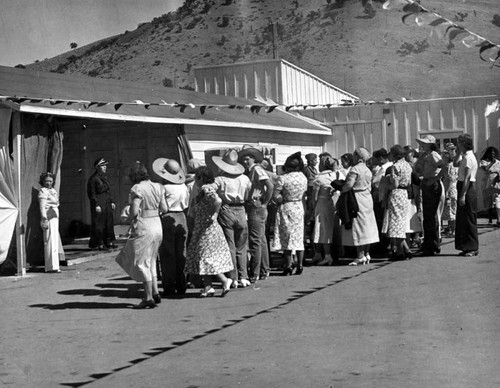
(88,97)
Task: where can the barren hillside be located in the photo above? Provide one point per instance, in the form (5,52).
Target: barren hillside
(369,52)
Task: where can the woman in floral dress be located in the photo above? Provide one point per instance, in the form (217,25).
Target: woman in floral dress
(289,192)
(397,211)
(450,178)
(208,253)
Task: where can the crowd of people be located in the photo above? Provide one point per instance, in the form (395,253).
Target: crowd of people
(222,221)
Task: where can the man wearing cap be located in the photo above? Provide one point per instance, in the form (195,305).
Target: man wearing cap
(175,230)
(102,234)
(427,168)
(233,187)
(260,195)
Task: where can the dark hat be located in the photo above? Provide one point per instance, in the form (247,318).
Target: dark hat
(229,162)
(398,152)
(381,153)
(311,156)
(100,162)
(337,184)
(169,169)
(252,151)
(294,161)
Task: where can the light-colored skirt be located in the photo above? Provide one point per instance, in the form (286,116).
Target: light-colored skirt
(364,229)
(138,256)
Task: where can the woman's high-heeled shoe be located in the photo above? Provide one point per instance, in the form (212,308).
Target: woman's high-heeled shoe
(368,258)
(408,255)
(299,270)
(157,298)
(145,304)
(207,293)
(361,261)
(226,288)
(288,271)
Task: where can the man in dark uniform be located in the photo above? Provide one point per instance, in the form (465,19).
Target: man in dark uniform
(102,235)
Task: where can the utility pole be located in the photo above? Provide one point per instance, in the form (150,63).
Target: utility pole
(275,38)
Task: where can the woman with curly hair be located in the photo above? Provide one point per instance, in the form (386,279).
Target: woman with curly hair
(138,257)
(289,193)
(208,253)
(48,199)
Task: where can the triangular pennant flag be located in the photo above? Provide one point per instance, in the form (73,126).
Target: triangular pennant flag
(182,107)
(202,109)
(146,106)
(486,45)
(232,106)
(454,31)
(437,22)
(55,102)
(102,104)
(288,108)
(271,108)
(118,106)
(255,108)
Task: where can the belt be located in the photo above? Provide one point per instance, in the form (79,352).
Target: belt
(149,213)
(234,204)
(293,200)
(402,187)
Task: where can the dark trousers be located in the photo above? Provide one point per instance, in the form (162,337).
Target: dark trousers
(173,253)
(257,241)
(431,193)
(232,220)
(466,238)
(102,230)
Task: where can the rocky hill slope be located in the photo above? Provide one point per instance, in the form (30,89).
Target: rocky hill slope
(364,49)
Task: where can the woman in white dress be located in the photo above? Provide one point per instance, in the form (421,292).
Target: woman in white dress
(364,229)
(324,209)
(48,200)
(138,257)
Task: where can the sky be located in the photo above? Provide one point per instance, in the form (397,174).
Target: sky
(39,29)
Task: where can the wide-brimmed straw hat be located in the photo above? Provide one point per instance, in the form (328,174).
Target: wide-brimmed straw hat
(170,170)
(427,139)
(252,151)
(229,162)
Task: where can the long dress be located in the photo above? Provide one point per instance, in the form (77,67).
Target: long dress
(397,210)
(208,252)
(324,211)
(289,226)
(138,256)
(52,246)
(364,229)
(450,178)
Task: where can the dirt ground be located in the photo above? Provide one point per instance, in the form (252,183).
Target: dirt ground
(427,322)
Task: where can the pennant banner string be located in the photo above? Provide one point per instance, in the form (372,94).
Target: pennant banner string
(443,26)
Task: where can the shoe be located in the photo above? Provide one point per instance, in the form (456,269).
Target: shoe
(368,258)
(408,255)
(469,253)
(53,271)
(358,261)
(112,246)
(244,282)
(234,283)
(253,279)
(264,276)
(157,298)
(287,271)
(316,259)
(207,293)
(299,270)
(101,248)
(145,304)
(226,288)
(326,261)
